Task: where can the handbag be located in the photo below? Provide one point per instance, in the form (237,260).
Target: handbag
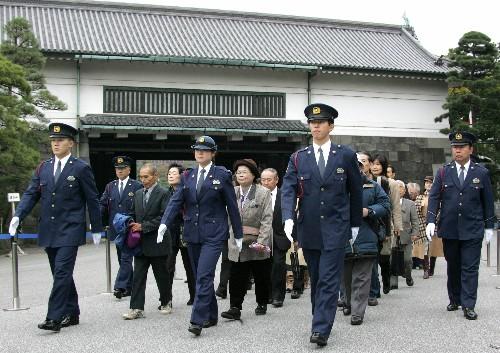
(133,239)
(397,260)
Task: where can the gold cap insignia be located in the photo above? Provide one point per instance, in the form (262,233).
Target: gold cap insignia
(201,139)
(119,160)
(316,110)
(458,136)
(57,128)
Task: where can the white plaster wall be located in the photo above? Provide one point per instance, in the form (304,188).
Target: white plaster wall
(374,106)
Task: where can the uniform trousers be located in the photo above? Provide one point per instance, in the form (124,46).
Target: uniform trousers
(408,249)
(462,258)
(124,276)
(187,267)
(261,270)
(63,298)
(325,270)
(278,274)
(357,280)
(159,265)
(204,257)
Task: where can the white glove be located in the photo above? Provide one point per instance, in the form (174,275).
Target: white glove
(488,234)
(354,233)
(429,231)
(161,232)
(96,237)
(239,243)
(289,229)
(14,223)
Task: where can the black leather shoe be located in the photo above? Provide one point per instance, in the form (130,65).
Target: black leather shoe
(70,320)
(232,314)
(190,301)
(409,282)
(221,293)
(261,310)
(277,303)
(452,307)
(295,294)
(356,320)
(317,338)
(50,325)
(195,329)
(209,323)
(470,314)
(346,310)
(340,303)
(386,289)
(126,293)
(118,293)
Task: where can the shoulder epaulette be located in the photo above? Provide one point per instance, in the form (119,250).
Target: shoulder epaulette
(302,149)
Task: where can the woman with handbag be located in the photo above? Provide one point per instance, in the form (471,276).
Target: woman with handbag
(254,203)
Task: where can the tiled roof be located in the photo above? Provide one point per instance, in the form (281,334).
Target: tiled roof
(99,28)
(166,123)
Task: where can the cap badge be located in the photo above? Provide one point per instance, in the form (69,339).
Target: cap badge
(71,178)
(57,128)
(316,110)
(131,194)
(476,180)
(119,160)
(340,170)
(201,139)
(458,136)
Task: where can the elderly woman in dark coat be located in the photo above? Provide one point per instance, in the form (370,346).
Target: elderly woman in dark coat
(254,202)
(361,252)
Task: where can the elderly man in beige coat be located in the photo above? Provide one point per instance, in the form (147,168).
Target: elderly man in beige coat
(256,212)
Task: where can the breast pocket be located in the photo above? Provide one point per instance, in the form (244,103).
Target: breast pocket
(304,183)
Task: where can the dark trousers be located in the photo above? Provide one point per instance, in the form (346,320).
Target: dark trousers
(225,269)
(63,298)
(240,271)
(159,265)
(325,270)
(357,280)
(204,258)
(278,274)
(125,274)
(187,267)
(462,258)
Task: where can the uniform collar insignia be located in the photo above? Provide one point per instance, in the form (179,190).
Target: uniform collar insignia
(476,180)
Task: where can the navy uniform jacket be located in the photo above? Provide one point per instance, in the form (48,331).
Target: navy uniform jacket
(465,211)
(329,207)
(63,218)
(205,217)
(112,203)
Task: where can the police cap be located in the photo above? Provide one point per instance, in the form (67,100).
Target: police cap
(204,143)
(122,161)
(60,130)
(320,111)
(461,138)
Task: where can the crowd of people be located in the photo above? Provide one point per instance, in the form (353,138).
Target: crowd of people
(346,211)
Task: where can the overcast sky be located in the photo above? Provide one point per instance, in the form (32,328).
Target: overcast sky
(439,24)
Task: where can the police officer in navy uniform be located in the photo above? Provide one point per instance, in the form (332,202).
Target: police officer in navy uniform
(326,179)
(462,192)
(65,185)
(118,197)
(207,195)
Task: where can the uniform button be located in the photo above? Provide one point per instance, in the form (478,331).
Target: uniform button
(460,204)
(460,194)
(119,205)
(322,217)
(196,206)
(52,217)
(53,194)
(322,202)
(195,223)
(53,205)
(459,215)
(322,189)
(213,221)
(197,215)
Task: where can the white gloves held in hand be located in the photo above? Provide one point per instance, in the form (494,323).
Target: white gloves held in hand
(239,243)
(14,223)
(96,237)
(354,233)
(289,229)
(429,231)
(161,232)
(488,235)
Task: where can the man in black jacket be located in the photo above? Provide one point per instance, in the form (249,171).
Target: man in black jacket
(269,178)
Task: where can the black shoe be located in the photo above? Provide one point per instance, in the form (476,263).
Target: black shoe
(209,323)
(195,329)
(372,302)
(118,293)
(190,301)
(232,314)
(317,338)
(386,289)
(470,314)
(346,310)
(356,320)
(221,293)
(126,293)
(50,325)
(70,320)
(340,303)
(409,282)
(277,303)
(261,310)
(452,307)
(295,294)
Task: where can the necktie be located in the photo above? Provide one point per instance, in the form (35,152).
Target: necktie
(120,190)
(242,200)
(200,181)
(321,162)
(145,198)
(461,175)
(58,172)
